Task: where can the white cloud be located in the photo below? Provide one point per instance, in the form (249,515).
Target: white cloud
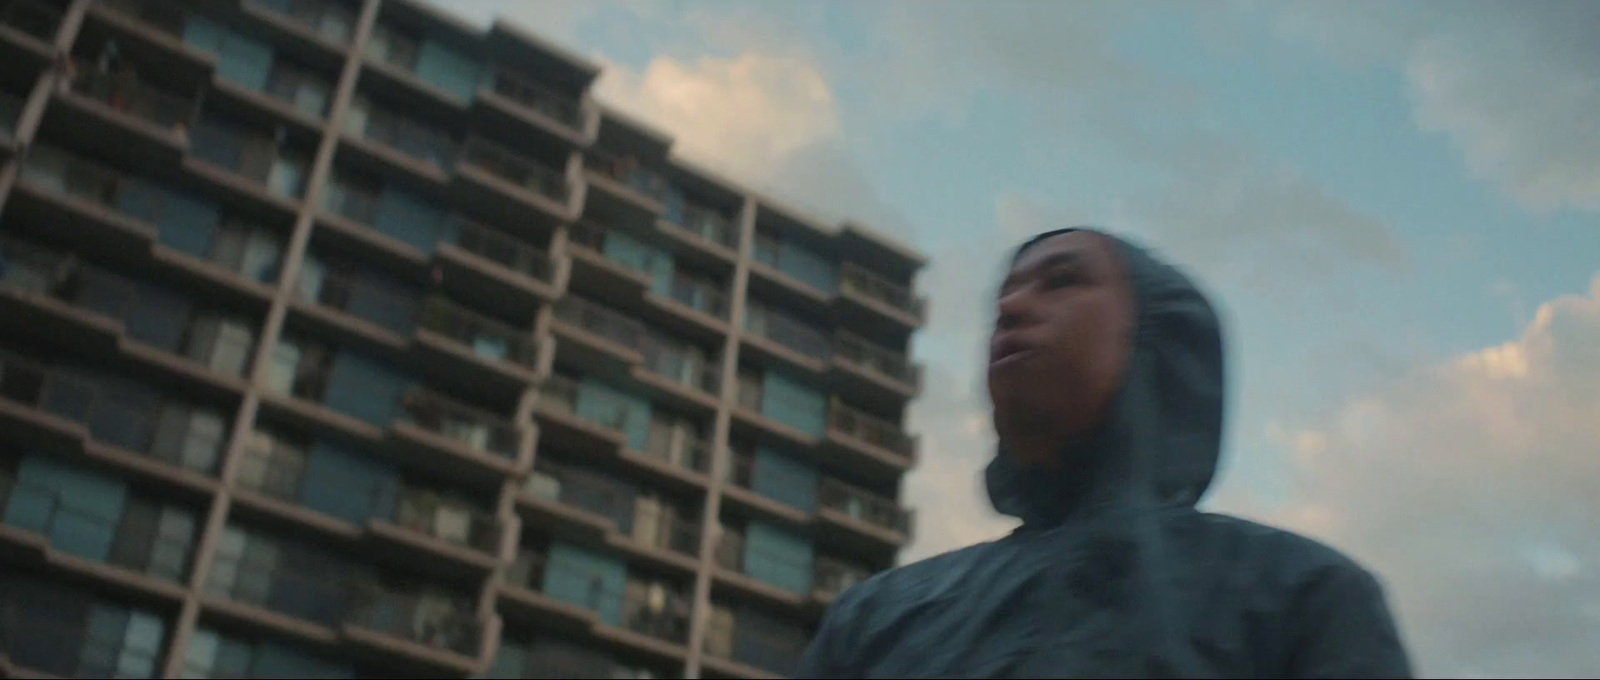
(746,114)
(1511,84)
(1471,487)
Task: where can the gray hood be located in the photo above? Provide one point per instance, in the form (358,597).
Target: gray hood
(1162,438)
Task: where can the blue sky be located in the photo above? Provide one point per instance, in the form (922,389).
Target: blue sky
(1397,205)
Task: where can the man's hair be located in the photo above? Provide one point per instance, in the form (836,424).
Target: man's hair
(1036,240)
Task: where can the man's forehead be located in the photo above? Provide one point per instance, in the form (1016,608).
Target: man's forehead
(1078,247)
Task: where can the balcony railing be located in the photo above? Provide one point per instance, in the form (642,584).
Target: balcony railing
(433,622)
(101,185)
(163,322)
(679,446)
(706,223)
(592,236)
(32,17)
(858,352)
(37,639)
(651,609)
(628,170)
(425,512)
(260,158)
(858,280)
(856,424)
(129,95)
(161,15)
(602,321)
(833,577)
(503,249)
(520,171)
(484,336)
(412,138)
(420,510)
(863,505)
(669,531)
(336,594)
(582,489)
(125,419)
(680,364)
(46,512)
(541,98)
(788,332)
(348,292)
(699,295)
(328,19)
(475,428)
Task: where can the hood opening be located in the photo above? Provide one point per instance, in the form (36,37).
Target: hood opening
(1160,441)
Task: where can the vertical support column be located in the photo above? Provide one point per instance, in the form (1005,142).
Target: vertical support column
(244,421)
(27,123)
(721,454)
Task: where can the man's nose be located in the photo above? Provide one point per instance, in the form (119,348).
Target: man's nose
(1016,308)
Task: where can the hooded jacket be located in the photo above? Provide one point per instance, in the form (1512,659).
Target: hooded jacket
(1114,573)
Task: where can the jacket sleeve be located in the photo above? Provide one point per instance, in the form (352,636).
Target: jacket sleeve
(1342,628)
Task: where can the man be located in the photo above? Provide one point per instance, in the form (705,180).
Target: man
(1106,377)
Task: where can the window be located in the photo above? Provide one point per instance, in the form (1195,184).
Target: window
(247,249)
(300,88)
(272,465)
(394,48)
(189,437)
(222,344)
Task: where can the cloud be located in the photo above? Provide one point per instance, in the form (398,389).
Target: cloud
(1510,84)
(1470,486)
(746,114)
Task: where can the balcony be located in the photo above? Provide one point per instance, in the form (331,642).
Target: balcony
(866,292)
(703,228)
(769,648)
(36,19)
(469,342)
(498,266)
(325,18)
(784,338)
(273,173)
(741,478)
(702,296)
(383,306)
(679,372)
(537,98)
(625,183)
(678,446)
(65,526)
(873,372)
(833,577)
(878,523)
(478,445)
(159,117)
(104,209)
(119,308)
(155,29)
(646,614)
(437,633)
(599,334)
(131,419)
(405,143)
(739,569)
(881,446)
(625,270)
(593,431)
(507,183)
(42,639)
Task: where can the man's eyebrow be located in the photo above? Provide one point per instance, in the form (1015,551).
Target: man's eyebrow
(1060,258)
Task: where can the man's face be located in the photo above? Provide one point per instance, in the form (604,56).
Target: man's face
(1061,338)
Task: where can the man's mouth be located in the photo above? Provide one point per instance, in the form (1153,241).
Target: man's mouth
(1009,351)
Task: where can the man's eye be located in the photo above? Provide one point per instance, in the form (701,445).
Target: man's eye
(1062,280)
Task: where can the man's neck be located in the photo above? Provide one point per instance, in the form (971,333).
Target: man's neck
(1034,450)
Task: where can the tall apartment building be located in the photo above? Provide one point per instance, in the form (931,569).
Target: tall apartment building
(344,339)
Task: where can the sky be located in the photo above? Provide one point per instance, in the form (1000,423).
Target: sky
(1395,205)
